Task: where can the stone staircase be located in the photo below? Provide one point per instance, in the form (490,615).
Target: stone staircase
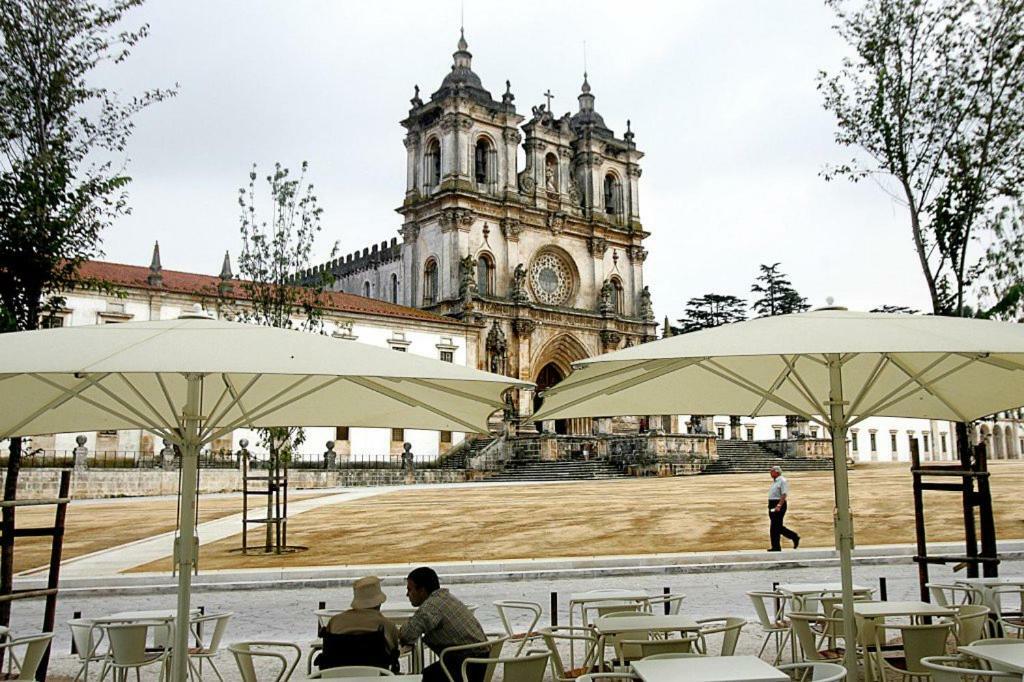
(752,457)
(460,459)
(533,469)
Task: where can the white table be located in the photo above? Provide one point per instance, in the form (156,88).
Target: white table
(582,599)
(1006,656)
(886,609)
(987,587)
(389,678)
(709,669)
(616,625)
(801,591)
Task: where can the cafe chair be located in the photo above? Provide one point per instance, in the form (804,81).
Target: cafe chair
(352,671)
(127,647)
(770,608)
(532,610)
(628,650)
(971,623)
(569,637)
(810,641)
(493,647)
(677,654)
(951,595)
(206,648)
(814,672)
(1009,603)
(919,641)
(87,636)
(606,677)
(729,627)
(674,602)
(528,668)
(247,653)
(23,664)
(961,668)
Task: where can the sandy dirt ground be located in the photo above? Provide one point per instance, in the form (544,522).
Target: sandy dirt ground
(615,517)
(93,525)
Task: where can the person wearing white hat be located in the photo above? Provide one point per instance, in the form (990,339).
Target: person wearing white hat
(362,635)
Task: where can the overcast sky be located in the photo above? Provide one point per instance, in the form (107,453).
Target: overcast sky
(721,95)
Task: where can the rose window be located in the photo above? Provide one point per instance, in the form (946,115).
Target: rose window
(550,279)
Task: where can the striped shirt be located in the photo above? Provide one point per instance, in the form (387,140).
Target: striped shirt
(442,621)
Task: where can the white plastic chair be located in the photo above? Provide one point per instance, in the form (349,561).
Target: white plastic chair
(568,637)
(24,667)
(971,623)
(493,646)
(532,609)
(728,626)
(770,608)
(206,649)
(351,671)
(602,677)
(656,605)
(528,668)
(951,594)
(88,636)
(957,668)
(245,654)
(819,672)
(674,654)
(127,647)
(1009,603)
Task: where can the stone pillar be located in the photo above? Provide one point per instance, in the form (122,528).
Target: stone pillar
(342,444)
(330,456)
(604,425)
(396,447)
(81,453)
(735,430)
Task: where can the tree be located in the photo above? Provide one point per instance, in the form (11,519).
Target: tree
(1004,266)
(895,309)
(712,310)
(61,179)
(273,250)
(778,297)
(932,99)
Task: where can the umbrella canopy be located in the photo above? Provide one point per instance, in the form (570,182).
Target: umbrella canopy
(831,366)
(193,380)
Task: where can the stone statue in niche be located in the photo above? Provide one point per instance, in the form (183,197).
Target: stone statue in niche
(606,303)
(497,349)
(549,179)
(646,308)
(467,279)
(518,293)
(574,192)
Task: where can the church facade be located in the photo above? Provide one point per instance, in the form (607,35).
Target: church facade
(545,259)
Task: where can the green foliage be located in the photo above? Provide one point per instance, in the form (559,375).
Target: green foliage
(274,247)
(933,100)
(895,310)
(712,310)
(1004,271)
(778,297)
(61,178)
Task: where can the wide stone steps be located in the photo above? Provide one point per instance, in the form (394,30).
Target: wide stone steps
(460,459)
(748,457)
(532,470)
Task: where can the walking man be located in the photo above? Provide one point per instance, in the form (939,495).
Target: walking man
(777,495)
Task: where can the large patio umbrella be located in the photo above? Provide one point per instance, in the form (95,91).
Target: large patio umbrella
(831,366)
(192,381)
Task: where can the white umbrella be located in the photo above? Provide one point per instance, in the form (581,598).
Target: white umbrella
(192,381)
(831,366)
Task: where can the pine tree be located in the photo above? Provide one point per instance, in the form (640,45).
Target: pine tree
(712,310)
(778,297)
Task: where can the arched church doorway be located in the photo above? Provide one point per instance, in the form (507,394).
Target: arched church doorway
(550,375)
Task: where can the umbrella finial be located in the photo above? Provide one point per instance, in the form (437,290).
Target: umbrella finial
(829,301)
(196,312)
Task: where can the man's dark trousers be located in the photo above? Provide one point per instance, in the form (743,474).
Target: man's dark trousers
(777,528)
(453,661)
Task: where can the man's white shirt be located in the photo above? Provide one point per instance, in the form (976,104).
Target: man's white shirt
(780,487)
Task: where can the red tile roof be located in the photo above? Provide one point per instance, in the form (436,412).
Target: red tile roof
(190,283)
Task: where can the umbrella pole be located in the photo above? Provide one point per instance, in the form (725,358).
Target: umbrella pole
(187,519)
(843,522)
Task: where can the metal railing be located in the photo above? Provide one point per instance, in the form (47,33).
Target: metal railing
(134,459)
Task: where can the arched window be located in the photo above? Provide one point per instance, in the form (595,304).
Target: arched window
(366,289)
(611,194)
(430,282)
(394,288)
(617,299)
(482,161)
(551,173)
(485,275)
(432,162)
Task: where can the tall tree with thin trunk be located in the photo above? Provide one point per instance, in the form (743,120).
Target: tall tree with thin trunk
(778,297)
(62,176)
(932,103)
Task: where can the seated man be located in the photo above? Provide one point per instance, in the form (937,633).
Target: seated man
(361,635)
(443,621)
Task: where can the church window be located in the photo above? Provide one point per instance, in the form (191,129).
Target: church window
(611,194)
(433,164)
(366,289)
(430,282)
(482,162)
(394,288)
(617,298)
(485,275)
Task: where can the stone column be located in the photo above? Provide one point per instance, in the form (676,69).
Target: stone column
(396,448)
(735,430)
